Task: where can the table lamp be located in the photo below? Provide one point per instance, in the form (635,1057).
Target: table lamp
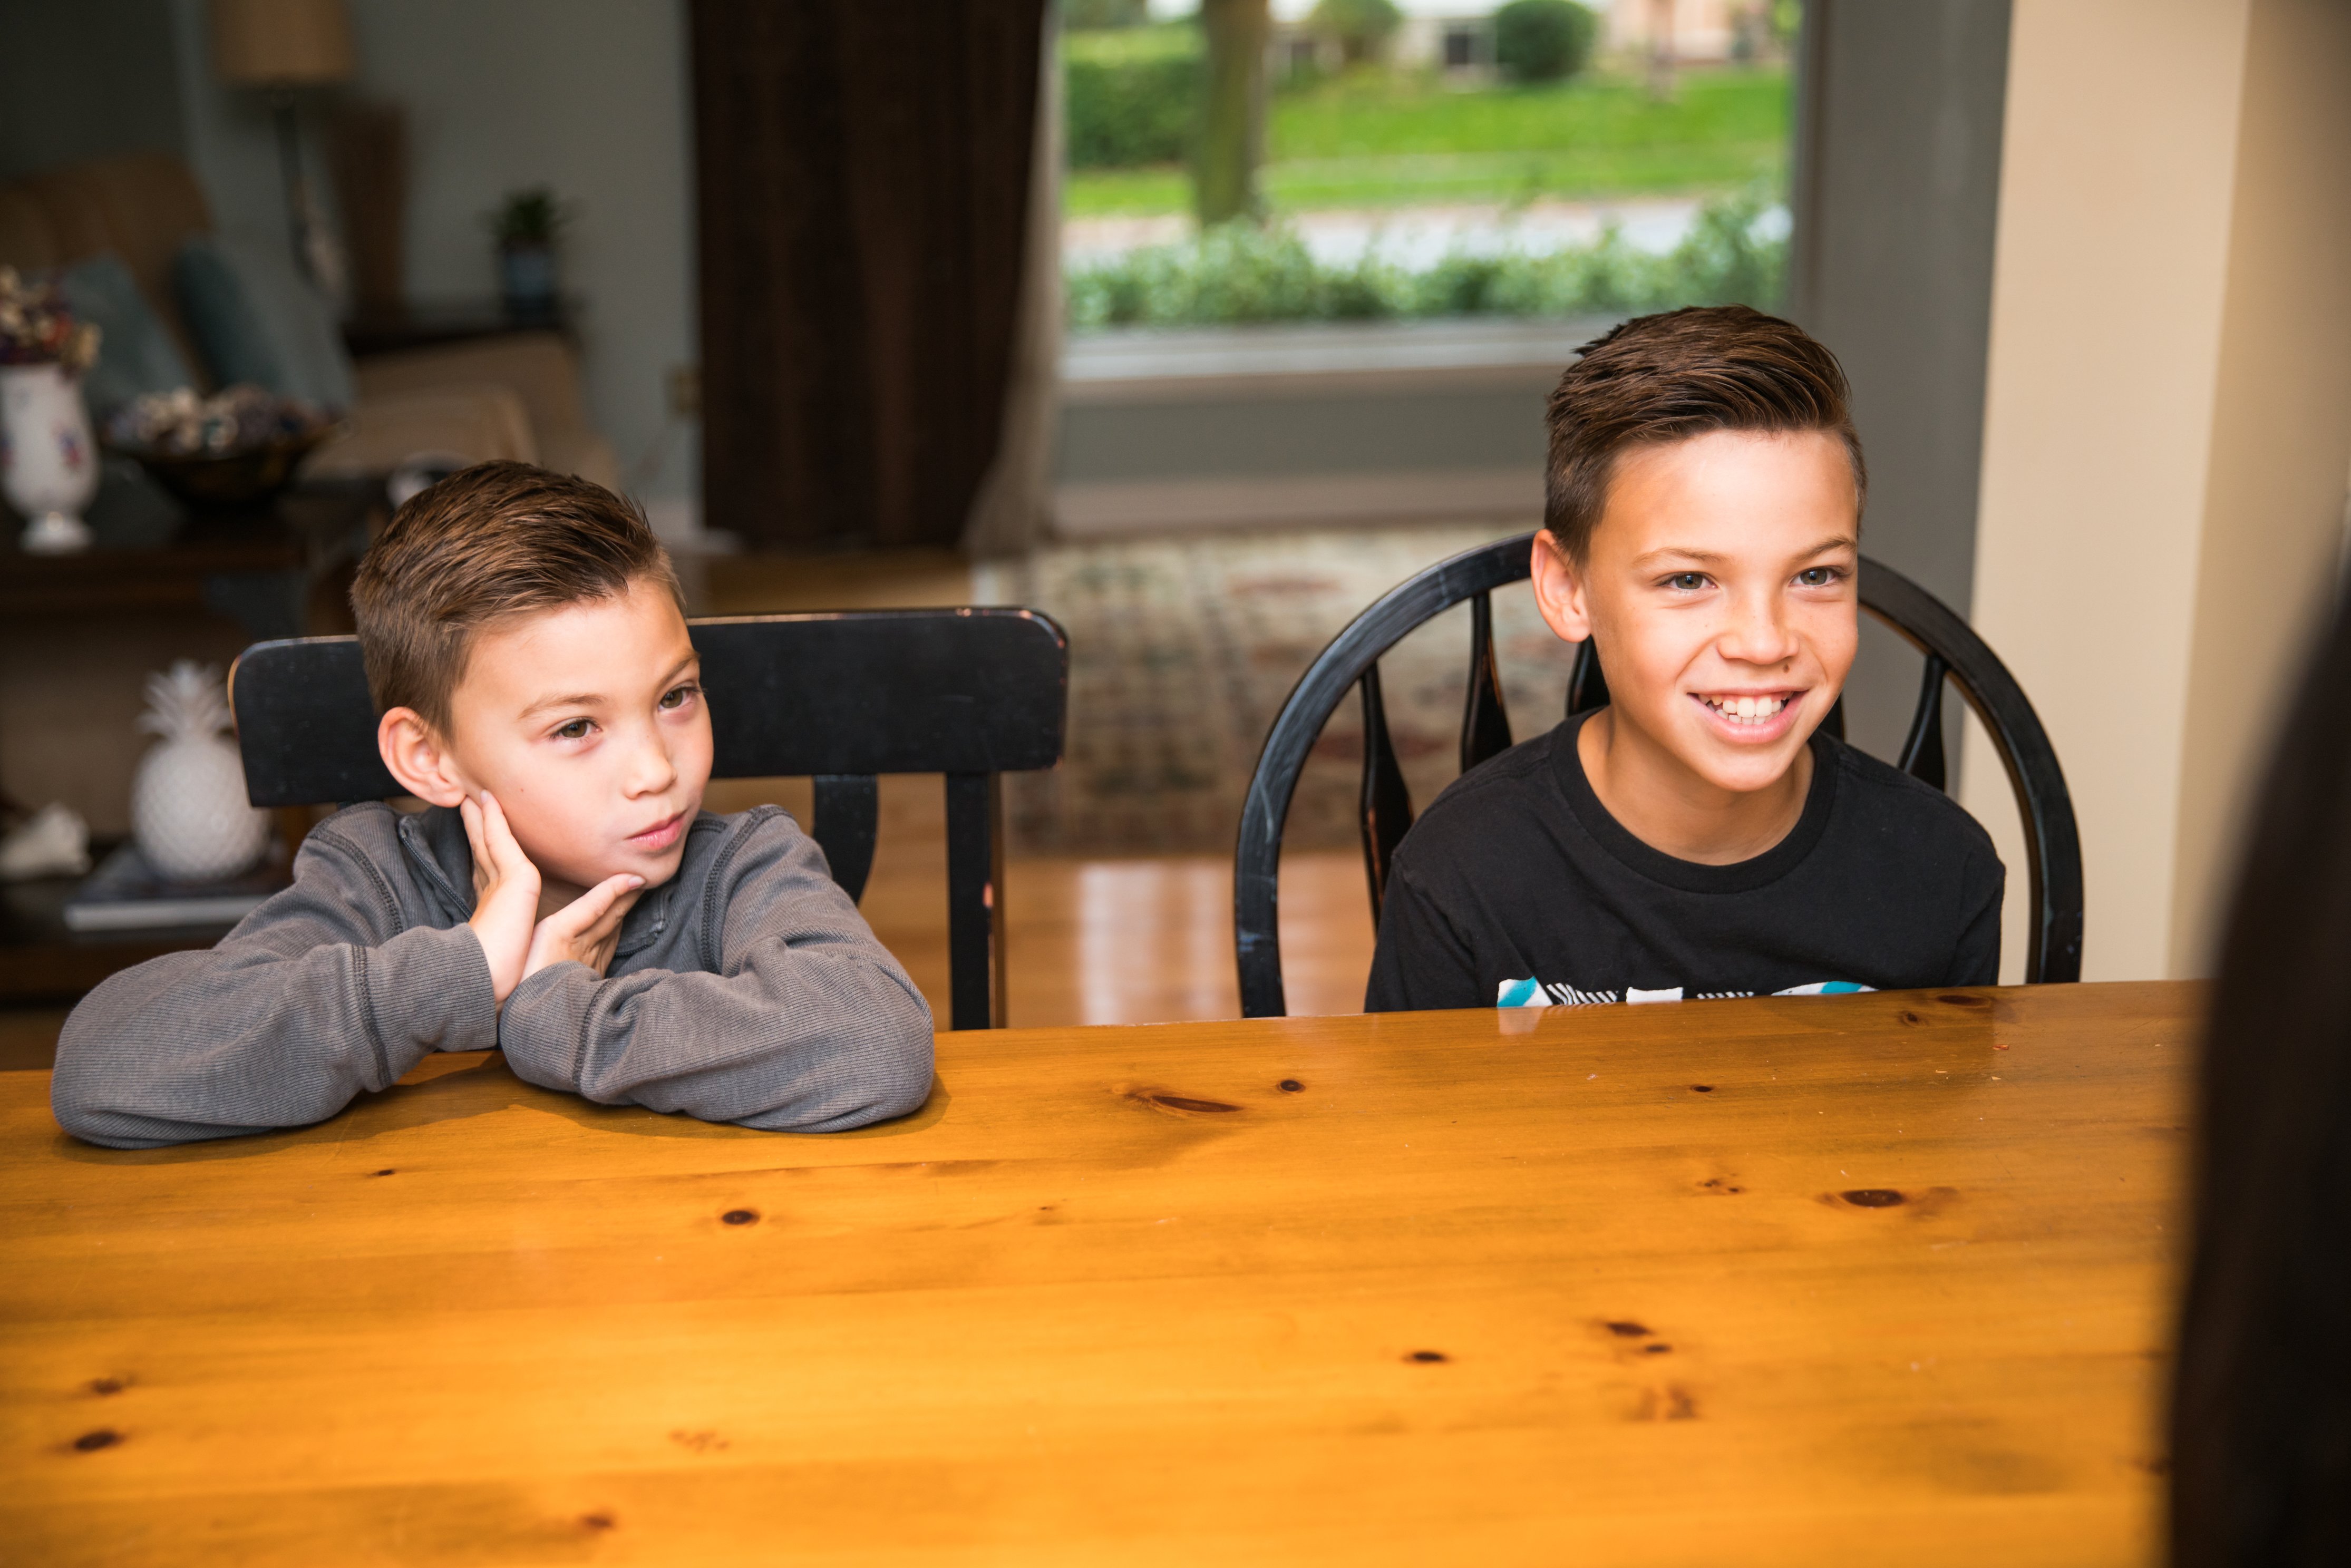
(279,46)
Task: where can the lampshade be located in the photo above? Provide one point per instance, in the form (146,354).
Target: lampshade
(281,43)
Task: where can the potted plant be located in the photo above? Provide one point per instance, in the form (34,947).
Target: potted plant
(526,225)
(48,465)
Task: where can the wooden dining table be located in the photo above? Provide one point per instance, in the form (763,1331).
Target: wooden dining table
(1884,1278)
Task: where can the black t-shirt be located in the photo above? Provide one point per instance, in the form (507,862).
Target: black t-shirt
(1517,888)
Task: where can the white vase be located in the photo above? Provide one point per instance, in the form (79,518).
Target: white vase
(49,462)
(188,807)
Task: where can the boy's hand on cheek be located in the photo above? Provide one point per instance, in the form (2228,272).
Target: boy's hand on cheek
(506,893)
(585,930)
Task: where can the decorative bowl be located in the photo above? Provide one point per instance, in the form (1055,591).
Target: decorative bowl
(236,449)
(246,477)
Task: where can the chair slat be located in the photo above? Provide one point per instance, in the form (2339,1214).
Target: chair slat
(1587,688)
(1922,749)
(1485,721)
(1386,802)
(975,907)
(847,820)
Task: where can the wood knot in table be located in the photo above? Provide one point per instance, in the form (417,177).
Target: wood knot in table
(1171,1103)
(1920,1201)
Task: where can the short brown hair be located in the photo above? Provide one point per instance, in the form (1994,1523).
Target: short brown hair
(485,543)
(1668,377)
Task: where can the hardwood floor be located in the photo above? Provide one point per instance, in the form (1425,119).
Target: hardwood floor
(1141,940)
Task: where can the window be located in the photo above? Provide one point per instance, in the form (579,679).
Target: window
(1434,158)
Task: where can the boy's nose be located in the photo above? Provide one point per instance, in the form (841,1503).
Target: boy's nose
(1758,634)
(651,771)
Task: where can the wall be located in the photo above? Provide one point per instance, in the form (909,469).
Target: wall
(588,96)
(85,79)
(1896,178)
(2167,423)
(2275,496)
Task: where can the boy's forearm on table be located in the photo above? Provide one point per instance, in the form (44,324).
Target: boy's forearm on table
(814,1040)
(242,1040)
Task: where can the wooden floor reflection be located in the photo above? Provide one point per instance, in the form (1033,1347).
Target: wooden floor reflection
(1147,940)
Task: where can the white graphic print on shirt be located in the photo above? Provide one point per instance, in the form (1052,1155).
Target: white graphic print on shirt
(1534,993)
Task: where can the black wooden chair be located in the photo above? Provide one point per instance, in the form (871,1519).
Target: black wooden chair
(844,696)
(1952,651)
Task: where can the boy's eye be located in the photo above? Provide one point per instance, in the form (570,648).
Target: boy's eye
(678,696)
(1688,581)
(1817,576)
(576,730)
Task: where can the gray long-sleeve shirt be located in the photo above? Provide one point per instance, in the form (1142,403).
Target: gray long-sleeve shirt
(746,989)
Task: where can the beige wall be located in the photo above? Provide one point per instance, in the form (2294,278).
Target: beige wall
(2167,426)
(2274,492)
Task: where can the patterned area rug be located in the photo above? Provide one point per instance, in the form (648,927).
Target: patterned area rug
(1183,651)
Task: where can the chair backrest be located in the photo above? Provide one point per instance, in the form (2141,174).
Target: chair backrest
(1953,652)
(843,696)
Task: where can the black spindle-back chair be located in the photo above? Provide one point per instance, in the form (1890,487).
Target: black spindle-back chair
(843,696)
(1953,653)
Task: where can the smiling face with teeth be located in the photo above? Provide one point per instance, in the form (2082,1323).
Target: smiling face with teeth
(1719,582)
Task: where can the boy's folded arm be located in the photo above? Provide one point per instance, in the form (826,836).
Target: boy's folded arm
(315,997)
(808,1023)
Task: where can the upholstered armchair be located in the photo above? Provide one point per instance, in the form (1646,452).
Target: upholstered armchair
(513,396)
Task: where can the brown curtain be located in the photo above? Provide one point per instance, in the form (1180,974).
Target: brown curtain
(863,172)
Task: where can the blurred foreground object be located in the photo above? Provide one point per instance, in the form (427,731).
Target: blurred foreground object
(2260,1420)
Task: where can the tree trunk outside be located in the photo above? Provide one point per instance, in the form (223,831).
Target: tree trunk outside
(1232,121)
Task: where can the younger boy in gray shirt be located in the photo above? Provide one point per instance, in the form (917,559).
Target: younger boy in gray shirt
(563,898)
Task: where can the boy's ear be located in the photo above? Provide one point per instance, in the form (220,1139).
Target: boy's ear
(1559,590)
(417,758)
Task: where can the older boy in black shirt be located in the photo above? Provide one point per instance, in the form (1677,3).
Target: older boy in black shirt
(1696,837)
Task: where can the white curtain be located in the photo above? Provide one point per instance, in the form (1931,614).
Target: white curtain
(1013,512)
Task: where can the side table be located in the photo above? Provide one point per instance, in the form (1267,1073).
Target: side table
(259,568)
(277,572)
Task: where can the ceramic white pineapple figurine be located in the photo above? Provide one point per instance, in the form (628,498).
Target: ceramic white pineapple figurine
(188,808)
